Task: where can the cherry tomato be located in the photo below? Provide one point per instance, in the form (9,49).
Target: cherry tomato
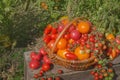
(70,56)
(60,27)
(57,78)
(51,44)
(42,51)
(35,56)
(46,60)
(96,74)
(67,36)
(47,39)
(50,78)
(36,76)
(92,72)
(71,28)
(54,31)
(110,70)
(45,67)
(62,43)
(33,64)
(48,29)
(54,36)
(41,72)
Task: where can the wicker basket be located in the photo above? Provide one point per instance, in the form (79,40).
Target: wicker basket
(70,64)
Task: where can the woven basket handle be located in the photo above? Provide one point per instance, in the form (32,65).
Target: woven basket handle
(60,35)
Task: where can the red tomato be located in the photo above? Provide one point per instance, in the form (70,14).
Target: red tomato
(60,27)
(62,43)
(34,64)
(54,36)
(54,31)
(35,56)
(71,28)
(42,51)
(70,56)
(51,44)
(45,67)
(75,35)
(47,39)
(67,36)
(48,29)
(46,60)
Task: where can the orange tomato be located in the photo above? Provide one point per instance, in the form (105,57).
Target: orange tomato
(65,21)
(62,43)
(61,53)
(83,27)
(113,54)
(71,41)
(110,37)
(82,55)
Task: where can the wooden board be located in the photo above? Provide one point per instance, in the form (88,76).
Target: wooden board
(68,74)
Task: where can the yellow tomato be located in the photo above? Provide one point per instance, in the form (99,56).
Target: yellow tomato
(81,54)
(61,53)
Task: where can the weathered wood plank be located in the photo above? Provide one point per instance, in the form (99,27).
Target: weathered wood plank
(68,74)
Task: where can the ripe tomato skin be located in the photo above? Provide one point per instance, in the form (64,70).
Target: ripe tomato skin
(62,43)
(82,55)
(35,56)
(83,27)
(33,64)
(46,60)
(70,56)
(45,67)
(61,53)
(48,29)
(54,31)
(110,36)
(67,36)
(51,44)
(47,39)
(54,36)
(42,51)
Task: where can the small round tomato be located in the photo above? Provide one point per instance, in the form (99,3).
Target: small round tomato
(48,29)
(34,64)
(47,39)
(54,31)
(65,21)
(62,43)
(67,36)
(51,44)
(54,36)
(61,53)
(110,36)
(82,55)
(42,51)
(46,67)
(83,27)
(70,56)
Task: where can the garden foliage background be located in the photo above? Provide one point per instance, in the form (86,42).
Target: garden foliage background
(23,21)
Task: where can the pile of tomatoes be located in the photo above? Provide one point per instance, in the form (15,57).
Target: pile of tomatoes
(79,42)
